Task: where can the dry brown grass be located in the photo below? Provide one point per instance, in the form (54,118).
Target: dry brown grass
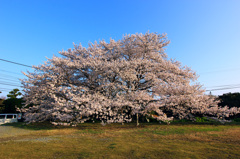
(127,141)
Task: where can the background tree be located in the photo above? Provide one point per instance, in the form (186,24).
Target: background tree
(14,93)
(11,104)
(115,81)
(229,99)
(1,104)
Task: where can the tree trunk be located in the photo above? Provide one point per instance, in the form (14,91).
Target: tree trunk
(137,120)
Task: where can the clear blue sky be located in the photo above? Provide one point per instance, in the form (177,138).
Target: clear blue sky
(204,34)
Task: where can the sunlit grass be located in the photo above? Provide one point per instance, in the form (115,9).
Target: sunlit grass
(121,141)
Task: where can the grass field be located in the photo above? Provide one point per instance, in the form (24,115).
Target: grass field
(120,141)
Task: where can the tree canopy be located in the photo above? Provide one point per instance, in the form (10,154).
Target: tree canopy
(230,99)
(14,93)
(113,81)
(12,104)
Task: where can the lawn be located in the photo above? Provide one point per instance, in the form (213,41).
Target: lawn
(120,141)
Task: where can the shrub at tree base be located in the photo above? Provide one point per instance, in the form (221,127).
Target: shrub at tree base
(112,82)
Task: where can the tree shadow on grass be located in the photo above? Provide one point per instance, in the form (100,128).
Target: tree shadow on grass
(35,126)
(115,126)
(93,126)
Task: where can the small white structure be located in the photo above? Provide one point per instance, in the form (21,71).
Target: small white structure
(8,118)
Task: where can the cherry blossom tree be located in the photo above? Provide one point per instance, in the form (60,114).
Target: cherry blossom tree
(115,81)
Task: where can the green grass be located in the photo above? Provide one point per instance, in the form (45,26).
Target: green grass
(120,141)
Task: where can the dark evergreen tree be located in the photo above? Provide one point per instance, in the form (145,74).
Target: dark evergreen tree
(230,99)
(10,104)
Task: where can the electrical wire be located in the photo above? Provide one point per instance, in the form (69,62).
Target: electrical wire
(218,89)
(10,84)
(8,76)
(217,71)
(231,85)
(16,63)
(11,72)
(11,80)
(5,88)
(7,82)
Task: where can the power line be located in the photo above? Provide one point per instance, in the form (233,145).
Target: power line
(10,72)
(218,89)
(10,84)
(225,85)
(216,71)
(16,63)
(1,74)
(5,88)
(2,78)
